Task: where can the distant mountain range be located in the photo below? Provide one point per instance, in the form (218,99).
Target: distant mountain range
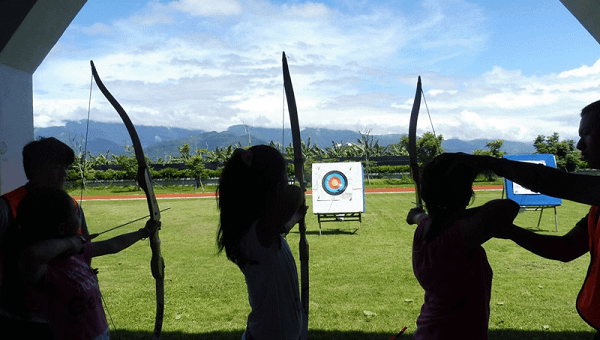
(160,142)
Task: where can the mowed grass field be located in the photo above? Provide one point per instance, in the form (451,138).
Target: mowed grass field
(361,284)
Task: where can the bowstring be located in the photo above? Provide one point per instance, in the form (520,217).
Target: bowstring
(428,114)
(282,120)
(87,129)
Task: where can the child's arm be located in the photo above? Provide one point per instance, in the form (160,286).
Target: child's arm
(84,228)
(118,243)
(286,210)
(35,257)
(487,220)
(296,218)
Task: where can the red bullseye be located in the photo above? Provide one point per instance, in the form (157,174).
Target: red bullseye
(335,182)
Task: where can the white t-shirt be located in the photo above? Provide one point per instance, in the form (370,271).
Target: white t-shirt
(272,281)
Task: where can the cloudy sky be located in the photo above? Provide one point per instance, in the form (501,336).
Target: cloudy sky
(490,69)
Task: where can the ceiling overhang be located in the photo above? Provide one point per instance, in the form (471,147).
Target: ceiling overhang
(588,14)
(30,28)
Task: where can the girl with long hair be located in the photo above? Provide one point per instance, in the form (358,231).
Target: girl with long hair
(257,206)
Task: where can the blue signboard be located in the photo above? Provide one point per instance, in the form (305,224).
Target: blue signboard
(523,196)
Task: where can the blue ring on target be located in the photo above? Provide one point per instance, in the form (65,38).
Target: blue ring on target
(334,182)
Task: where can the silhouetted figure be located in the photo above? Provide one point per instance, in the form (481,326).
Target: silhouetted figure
(55,263)
(448,259)
(585,236)
(256,207)
(45,163)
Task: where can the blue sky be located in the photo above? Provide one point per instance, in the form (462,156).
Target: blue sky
(490,69)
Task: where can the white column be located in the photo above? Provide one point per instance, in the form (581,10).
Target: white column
(16,125)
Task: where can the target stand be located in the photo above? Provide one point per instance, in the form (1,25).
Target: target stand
(338,192)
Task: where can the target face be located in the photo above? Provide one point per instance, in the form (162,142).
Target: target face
(338,187)
(334,182)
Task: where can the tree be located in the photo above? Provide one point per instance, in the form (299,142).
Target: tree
(428,146)
(184,152)
(494,151)
(397,149)
(336,150)
(248,131)
(221,155)
(366,141)
(567,157)
(196,168)
(127,164)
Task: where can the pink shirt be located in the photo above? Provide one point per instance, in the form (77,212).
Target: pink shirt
(74,302)
(457,286)
(588,300)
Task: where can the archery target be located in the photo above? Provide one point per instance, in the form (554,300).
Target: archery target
(338,188)
(334,182)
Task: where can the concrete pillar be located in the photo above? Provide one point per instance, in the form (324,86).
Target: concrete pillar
(28,31)
(16,125)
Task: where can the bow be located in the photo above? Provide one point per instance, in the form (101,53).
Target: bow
(144,179)
(412,144)
(299,173)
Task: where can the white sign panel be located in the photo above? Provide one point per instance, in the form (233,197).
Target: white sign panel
(338,188)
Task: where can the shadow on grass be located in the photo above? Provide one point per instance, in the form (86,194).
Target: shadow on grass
(507,334)
(332,232)
(540,230)
(329,231)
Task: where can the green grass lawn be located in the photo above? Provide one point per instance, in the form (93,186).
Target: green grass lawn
(362,285)
(74,188)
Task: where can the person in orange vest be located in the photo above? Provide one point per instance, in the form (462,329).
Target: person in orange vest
(45,163)
(585,236)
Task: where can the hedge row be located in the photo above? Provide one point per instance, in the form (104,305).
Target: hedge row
(174,173)
(166,173)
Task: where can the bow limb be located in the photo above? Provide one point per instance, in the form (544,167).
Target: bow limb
(299,173)
(145,182)
(412,143)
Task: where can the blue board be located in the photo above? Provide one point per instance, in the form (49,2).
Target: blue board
(523,196)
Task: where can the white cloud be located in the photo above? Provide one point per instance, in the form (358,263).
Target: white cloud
(307,10)
(207,7)
(98,28)
(583,71)
(212,64)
